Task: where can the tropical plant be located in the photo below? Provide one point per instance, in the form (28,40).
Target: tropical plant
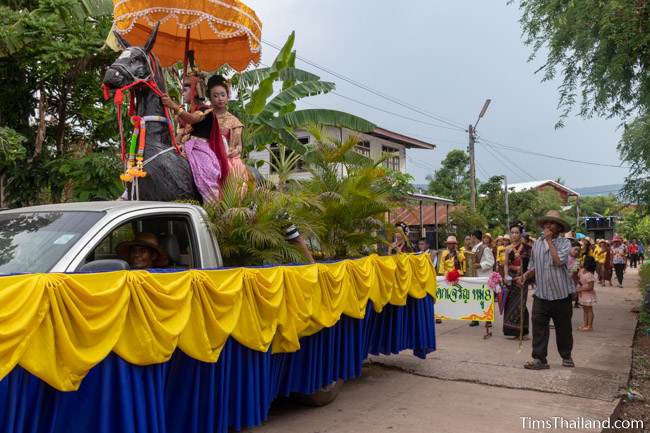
(347,193)
(250,224)
(267,99)
(283,163)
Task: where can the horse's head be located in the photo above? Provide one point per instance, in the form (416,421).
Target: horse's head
(134,63)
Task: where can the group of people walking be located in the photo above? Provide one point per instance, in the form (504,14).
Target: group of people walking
(562,271)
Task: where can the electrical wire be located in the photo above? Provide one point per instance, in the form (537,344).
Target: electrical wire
(375,92)
(511,168)
(510,161)
(544,155)
(356,101)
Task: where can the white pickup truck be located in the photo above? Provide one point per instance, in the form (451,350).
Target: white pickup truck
(82,237)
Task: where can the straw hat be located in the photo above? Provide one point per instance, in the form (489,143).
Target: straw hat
(554,217)
(147,240)
(452,240)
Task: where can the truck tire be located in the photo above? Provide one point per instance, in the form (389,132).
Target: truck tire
(320,398)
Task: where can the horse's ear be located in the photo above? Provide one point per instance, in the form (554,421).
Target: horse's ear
(152,38)
(120,39)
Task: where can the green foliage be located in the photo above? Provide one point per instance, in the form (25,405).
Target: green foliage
(267,99)
(12,149)
(635,226)
(491,204)
(635,150)
(341,209)
(464,221)
(644,316)
(528,206)
(94,176)
(602,205)
(600,49)
(400,184)
(452,179)
(250,226)
(52,59)
(347,197)
(284,163)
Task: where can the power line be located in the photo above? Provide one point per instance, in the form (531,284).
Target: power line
(544,155)
(369,89)
(514,164)
(395,114)
(483,172)
(452,124)
(512,168)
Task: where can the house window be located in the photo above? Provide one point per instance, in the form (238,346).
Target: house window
(363,148)
(276,157)
(392,158)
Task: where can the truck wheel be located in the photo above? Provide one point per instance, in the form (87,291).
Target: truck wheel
(320,398)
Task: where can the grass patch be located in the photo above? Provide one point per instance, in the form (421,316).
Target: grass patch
(644,314)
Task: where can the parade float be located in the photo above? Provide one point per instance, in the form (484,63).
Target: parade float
(89,345)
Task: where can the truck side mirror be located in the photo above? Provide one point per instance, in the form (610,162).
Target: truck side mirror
(108,265)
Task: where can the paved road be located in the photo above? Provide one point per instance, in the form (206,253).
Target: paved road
(475,385)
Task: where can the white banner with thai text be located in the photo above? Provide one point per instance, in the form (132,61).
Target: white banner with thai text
(466,299)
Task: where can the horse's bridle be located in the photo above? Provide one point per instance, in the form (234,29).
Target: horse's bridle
(126,71)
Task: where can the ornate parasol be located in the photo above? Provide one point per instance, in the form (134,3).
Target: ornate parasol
(218,32)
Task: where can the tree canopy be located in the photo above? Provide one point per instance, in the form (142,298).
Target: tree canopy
(451,180)
(52,59)
(599,49)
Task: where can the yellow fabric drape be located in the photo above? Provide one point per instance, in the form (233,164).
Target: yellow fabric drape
(58,326)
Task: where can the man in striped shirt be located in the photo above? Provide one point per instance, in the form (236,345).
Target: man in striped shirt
(552,299)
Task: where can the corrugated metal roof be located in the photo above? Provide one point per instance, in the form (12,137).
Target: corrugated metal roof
(525,186)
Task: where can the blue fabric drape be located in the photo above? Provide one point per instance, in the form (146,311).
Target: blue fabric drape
(190,396)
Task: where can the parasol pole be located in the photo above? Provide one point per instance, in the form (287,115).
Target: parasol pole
(187,49)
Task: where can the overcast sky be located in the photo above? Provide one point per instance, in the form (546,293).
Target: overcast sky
(445,57)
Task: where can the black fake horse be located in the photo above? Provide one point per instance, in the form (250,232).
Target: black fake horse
(168,174)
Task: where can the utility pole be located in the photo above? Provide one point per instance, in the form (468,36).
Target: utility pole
(472,168)
(505,181)
(472,155)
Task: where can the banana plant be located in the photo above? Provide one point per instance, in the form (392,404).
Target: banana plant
(267,103)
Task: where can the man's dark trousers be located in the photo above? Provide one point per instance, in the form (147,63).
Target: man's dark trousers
(560,311)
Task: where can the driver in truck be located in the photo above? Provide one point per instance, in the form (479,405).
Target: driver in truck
(144,252)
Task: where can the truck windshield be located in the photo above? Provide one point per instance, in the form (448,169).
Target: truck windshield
(36,241)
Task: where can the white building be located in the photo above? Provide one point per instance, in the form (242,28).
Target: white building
(374,145)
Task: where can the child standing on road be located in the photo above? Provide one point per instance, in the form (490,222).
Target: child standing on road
(587,293)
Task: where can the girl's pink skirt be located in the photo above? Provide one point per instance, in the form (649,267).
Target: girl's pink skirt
(205,167)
